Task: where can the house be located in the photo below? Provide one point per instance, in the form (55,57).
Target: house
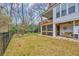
(64,22)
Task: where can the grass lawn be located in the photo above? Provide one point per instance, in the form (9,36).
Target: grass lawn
(33,44)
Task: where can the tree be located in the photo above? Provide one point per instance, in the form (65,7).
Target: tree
(39,8)
(23,13)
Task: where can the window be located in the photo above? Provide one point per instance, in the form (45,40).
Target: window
(43,28)
(63,9)
(76,35)
(58,11)
(71,8)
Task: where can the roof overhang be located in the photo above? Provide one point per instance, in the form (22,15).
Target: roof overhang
(48,22)
(49,12)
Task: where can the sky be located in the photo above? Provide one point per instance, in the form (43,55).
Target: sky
(30,11)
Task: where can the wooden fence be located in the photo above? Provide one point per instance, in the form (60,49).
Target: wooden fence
(4,41)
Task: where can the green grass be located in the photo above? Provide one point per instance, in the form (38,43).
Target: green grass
(36,45)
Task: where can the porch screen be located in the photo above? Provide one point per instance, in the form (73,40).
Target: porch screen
(50,27)
(50,33)
(43,33)
(43,28)
(76,29)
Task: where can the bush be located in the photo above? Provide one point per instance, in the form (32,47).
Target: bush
(13,30)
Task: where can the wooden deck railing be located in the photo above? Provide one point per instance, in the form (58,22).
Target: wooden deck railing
(46,22)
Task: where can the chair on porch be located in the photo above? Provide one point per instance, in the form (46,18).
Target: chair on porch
(68,34)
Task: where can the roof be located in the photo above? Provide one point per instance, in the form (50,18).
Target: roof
(49,12)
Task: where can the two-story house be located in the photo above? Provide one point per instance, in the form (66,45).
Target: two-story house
(64,18)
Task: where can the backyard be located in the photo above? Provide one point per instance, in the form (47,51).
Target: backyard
(33,44)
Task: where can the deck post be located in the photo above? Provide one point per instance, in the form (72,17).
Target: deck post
(41,29)
(54,29)
(73,27)
(46,29)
